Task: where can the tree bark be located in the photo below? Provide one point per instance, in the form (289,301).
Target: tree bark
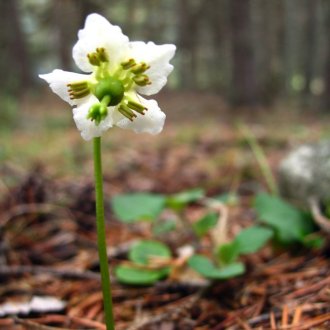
(131,15)
(243,83)
(188,40)
(326,97)
(310,43)
(15,65)
(90,6)
(216,21)
(66,29)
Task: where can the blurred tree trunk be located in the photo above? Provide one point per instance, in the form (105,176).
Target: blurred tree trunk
(326,98)
(86,7)
(14,56)
(189,17)
(243,84)
(66,22)
(267,45)
(279,78)
(185,42)
(154,25)
(130,21)
(216,19)
(68,17)
(289,45)
(327,84)
(310,43)
(295,46)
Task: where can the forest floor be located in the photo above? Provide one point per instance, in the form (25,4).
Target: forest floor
(47,225)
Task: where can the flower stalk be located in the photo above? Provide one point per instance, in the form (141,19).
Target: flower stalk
(101,237)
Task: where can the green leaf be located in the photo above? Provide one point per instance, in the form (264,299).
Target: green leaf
(249,240)
(229,271)
(228,198)
(201,265)
(180,200)
(143,250)
(202,226)
(163,227)
(206,268)
(228,253)
(290,224)
(139,206)
(252,239)
(139,276)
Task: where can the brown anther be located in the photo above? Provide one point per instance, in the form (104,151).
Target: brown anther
(93,59)
(101,54)
(79,93)
(128,64)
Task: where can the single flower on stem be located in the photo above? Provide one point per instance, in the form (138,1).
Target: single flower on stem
(117,71)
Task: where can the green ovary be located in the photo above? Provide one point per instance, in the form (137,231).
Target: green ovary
(111,87)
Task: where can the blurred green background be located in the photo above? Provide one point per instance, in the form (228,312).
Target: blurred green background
(233,57)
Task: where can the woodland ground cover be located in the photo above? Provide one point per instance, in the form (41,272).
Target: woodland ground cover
(48,227)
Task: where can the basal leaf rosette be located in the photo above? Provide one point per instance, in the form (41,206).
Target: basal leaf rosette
(116,73)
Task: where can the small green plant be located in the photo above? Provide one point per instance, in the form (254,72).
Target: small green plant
(249,240)
(180,200)
(138,207)
(147,263)
(290,224)
(205,267)
(205,224)
(151,261)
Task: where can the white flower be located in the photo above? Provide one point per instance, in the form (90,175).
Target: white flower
(116,72)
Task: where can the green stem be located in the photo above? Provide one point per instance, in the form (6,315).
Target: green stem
(101,238)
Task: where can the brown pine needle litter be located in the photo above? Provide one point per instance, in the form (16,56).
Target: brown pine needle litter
(47,248)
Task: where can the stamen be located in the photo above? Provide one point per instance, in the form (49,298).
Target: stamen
(126,111)
(140,68)
(142,80)
(94,59)
(77,89)
(79,94)
(136,107)
(128,64)
(102,55)
(78,84)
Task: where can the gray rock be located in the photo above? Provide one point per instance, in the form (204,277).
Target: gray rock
(305,173)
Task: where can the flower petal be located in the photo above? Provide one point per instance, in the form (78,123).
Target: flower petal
(97,33)
(158,57)
(88,129)
(152,122)
(58,81)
